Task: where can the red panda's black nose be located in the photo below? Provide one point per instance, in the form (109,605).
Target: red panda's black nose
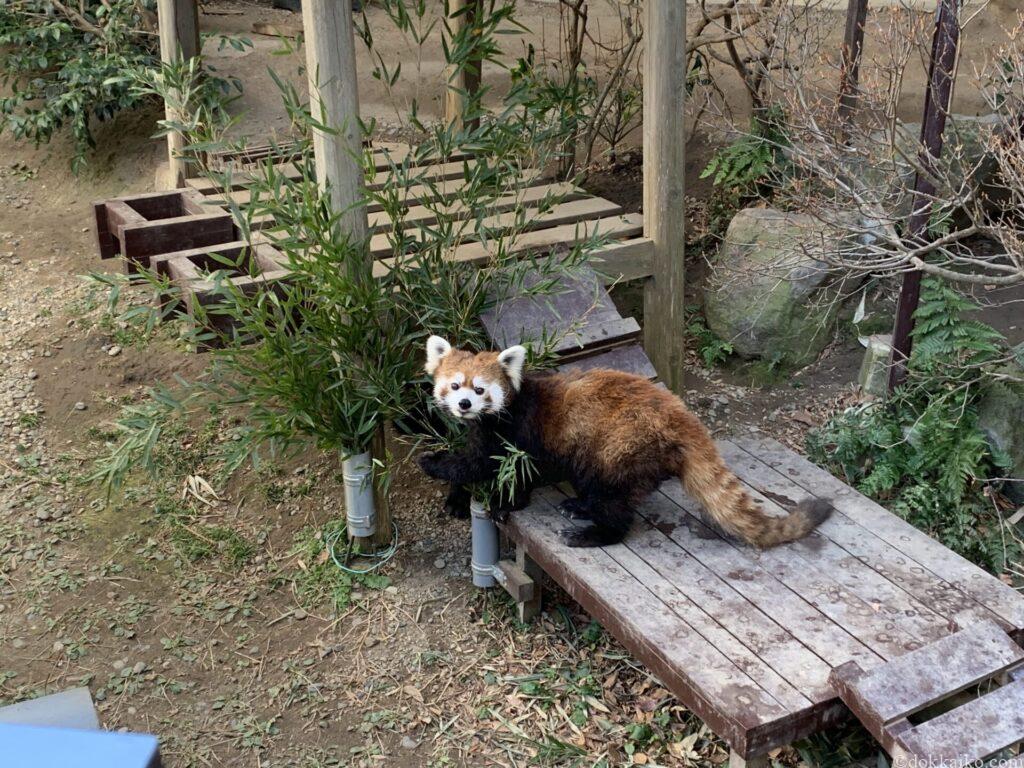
(465,405)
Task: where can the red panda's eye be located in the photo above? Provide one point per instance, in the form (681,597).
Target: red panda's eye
(479,390)
(455,386)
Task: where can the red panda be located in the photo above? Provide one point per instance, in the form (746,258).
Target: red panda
(614,436)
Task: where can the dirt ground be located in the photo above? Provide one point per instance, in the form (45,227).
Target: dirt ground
(218,622)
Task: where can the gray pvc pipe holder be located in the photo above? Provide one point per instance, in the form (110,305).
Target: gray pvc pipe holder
(485,545)
(360,513)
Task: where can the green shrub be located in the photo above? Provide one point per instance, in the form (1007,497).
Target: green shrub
(921,452)
(749,168)
(65,66)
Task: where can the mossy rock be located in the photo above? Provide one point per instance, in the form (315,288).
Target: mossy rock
(767,294)
(1001,418)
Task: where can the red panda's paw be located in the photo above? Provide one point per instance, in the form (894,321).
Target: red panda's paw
(574,509)
(433,464)
(590,536)
(499,514)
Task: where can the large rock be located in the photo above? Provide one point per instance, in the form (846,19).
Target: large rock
(1001,417)
(768,294)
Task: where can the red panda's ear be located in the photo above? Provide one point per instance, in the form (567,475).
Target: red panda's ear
(437,349)
(512,361)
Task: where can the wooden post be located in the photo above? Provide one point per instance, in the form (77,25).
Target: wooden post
(664,169)
(933,124)
(334,102)
(461,83)
(178,22)
(849,77)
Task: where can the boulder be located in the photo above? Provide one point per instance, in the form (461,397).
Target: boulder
(1001,418)
(767,294)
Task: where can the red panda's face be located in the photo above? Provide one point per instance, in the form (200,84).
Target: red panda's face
(468,385)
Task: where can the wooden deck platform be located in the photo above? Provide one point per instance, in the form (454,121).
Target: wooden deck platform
(747,639)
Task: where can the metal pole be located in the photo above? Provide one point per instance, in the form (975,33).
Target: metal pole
(936,109)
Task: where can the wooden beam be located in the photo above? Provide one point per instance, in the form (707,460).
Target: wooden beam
(178,22)
(933,124)
(664,169)
(463,81)
(849,77)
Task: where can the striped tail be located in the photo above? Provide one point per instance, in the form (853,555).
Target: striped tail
(731,508)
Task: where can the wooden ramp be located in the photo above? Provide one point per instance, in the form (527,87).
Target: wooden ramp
(748,639)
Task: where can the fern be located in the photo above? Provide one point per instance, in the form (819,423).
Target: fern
(922,451)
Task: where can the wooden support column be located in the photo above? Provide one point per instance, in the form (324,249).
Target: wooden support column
(334,102)
(178,22)
(933,124)
(664,174)
(849,78)
(461,83)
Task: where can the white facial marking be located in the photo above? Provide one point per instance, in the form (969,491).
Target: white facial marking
(469,399)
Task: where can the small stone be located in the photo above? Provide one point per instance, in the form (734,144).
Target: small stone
(114,351)
(42,514)
(58,647)
(299,614)
(33,375)
(80,406)
(18,643)
(392,590)
(440,563)
(139,668)
(120,664)
(408,742)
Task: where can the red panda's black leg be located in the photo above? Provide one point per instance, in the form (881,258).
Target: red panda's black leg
(457,503)
(610,520)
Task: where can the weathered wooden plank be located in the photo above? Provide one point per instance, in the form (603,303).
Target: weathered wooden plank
(1000,598)
(924,586)
(814,581)
(633,559)
(630,358)
(916,623)
(424,215)
(502,224)
(447,189)
(926,676)
(624,261)
(540,240)
(753,640)
(765,651)
(973,731)
(737,568)
(709,683)
(417,175)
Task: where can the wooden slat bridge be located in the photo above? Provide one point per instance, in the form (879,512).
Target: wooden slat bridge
(868,614)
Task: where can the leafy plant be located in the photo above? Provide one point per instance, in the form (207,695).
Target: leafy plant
(921,451)
(748,168)
(710,347)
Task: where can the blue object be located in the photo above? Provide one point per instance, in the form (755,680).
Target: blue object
(31,746)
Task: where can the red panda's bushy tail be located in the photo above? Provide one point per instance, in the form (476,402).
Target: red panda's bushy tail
(730,507)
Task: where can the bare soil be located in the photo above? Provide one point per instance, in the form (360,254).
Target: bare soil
(225,649)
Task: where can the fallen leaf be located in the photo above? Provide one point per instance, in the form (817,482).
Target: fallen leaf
(412,690)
